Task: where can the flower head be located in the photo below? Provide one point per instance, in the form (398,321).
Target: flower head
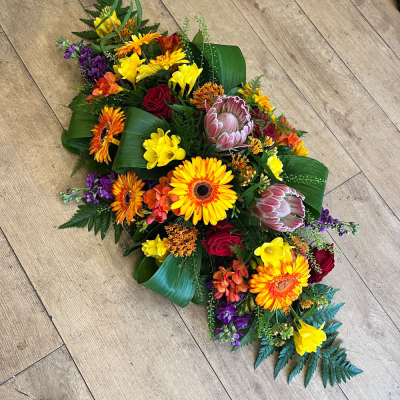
(280,207)
(201,185)
(255,146)
(99,186)
(169,43)
(186,75)
(168,59)
(300,150)
(279,286)
(308,338)
(161,149)
(206,94)
(274,252)
(128,67)
(157,248)
(136,44)
(262,101)
(111,123)
(105,86)
(228,123)
(226,312)
(128,197)
(182,240)
(275,165)
(263,124)
(108,25)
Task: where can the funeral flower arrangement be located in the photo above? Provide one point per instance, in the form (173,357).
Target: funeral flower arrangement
(211,184)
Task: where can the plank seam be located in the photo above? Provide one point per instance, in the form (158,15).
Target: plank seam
(345,64)
(338,186)
(369,23)
(30,365)
(47,313)
(322,119)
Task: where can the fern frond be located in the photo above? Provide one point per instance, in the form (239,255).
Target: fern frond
(286,354)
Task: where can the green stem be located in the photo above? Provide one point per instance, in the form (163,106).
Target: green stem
(294,313)
(116,30)
(309,312)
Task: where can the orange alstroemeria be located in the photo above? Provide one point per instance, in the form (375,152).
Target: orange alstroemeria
(105,86)
(169,43)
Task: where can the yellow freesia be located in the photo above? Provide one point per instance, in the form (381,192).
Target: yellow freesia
(308,338)
(107,26)
(157,248)
(186,75)
(276,166)
(300,150)
(274,252)
(128,67)
(161,149)
(144,71)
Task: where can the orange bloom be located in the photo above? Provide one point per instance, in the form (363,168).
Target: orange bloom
(136,43)
(169,43)
(278,287)
(231,283)
(105,86)
(207,93)
(111,123)
(128,197)
(287,137)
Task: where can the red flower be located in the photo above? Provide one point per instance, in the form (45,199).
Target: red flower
(261,121)
(105,86)
(169,43)
(154,101)
(219,240)
(326,261)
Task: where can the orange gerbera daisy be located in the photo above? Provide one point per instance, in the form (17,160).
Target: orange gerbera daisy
(136,43)
(111,123)
(278,287)
(201,186)
(128,197)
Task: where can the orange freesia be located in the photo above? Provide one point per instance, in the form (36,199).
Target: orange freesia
(105,86)
(169,43)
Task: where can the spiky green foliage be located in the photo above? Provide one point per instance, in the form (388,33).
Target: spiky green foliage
(94,216)
(285,355)
(299,367)
(265,351)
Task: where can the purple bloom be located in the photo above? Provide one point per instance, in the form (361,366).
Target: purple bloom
(99,187)
(93,68)
(69,51)
(226,312)
(242,321)
(236,336)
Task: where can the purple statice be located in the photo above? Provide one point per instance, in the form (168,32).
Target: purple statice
(93,68)
(226,312)
(99,187)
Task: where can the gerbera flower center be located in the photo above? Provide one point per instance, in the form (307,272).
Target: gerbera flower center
(283,284)
(127,198)
(103,133)
(202,190)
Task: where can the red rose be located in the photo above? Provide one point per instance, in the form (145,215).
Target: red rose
(219,239)
(261,121)
(154,101)
(326,261)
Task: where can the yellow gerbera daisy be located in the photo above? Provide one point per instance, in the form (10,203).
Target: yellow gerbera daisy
(128,197)
(168,59)
(278,287)
(201,186)
(111,123)
(136,44)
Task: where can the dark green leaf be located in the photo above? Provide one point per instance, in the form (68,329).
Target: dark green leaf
(139,12)
(126,18)
(302,362)
(64,136)
(286,354)
(117,231)
(105,223)
(265,351)
(138,261)
(312,366)
(198,38)
(89,22)
(86,34)
(95,14)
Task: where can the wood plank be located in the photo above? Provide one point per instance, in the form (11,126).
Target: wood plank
(126,341)
(281,90)
(360,47)
(375,251)
(347,109)
(54,377)
(26,332)
(383,15)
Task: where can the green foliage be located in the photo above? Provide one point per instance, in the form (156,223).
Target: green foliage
(80,163)
(299,367)
(86,34)
(97,216)
(312,366)
(265,351)
(286,354)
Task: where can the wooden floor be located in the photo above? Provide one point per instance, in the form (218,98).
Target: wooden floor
(73,322)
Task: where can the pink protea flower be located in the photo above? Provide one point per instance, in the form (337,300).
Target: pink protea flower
(228,122)
(280,207)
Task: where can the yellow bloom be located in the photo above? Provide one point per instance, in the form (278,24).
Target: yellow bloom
(308,338)
(128,67)
(107,26)
(246,92)
(136,43)
(274,252)
(278,287)
(144,71)
(276,166)
(168,59)
(300,150)
(157,248)
(186,75)
(161,149)
(262,101)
